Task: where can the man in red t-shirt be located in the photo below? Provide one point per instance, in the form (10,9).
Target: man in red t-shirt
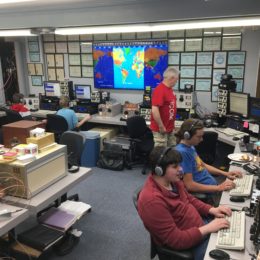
(164,109)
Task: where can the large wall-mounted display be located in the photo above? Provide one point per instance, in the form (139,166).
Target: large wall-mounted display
(129,65)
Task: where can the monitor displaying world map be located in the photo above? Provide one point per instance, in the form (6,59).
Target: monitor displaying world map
(129,65)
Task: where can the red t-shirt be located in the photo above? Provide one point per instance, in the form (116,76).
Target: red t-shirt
(19,107)
(164,98)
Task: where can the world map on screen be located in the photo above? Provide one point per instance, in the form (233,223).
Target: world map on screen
(129,66)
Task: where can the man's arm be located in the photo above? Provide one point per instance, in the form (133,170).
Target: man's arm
(215,171)
(193,186)
(157,118)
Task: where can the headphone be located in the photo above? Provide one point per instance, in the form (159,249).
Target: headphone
(158,170)
(188,133)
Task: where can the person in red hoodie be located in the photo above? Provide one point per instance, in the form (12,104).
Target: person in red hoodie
(18,106)
(173,217)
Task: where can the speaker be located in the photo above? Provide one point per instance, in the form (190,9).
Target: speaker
(71,90)
(188,134)
(158,170)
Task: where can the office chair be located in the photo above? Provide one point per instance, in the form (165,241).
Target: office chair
(163,253)
(207,148)
(12,116)
(141,141)
(56,124)
(75,143)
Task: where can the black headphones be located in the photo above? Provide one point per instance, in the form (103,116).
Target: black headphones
(188,133)
(158,170)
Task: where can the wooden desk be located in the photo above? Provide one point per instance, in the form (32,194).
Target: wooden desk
(9,223)
(50,194)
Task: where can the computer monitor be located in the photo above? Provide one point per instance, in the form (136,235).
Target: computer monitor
(52,89)
(254,105)
(82,91)
(239,104)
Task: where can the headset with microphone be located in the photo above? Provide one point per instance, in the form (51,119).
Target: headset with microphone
(158,170)
(187,135)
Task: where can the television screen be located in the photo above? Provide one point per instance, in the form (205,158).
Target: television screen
(82,91)
(129,65)
(52,89)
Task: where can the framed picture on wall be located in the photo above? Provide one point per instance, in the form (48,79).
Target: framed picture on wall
(214,94)
(240,84)
(220,59)
(236,71)
(217,74)
(236,57)
(204,72)
(33,46)
(203,85)
(185,81)
(34,57)
(36,80)
(174,58)
(187,71)
(188,58)
(204,58)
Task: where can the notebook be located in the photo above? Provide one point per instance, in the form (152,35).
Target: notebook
(40,237)
(57,218)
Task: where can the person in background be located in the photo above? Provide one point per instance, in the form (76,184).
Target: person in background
(173,217)
(70,115)
(19,106)
(197,174)
(164,109)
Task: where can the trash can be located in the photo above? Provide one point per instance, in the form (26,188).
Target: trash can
(91,149)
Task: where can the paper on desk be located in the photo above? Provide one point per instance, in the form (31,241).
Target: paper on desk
(78,208)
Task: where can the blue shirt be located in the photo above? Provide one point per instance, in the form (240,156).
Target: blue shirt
(191,163)
(70,117)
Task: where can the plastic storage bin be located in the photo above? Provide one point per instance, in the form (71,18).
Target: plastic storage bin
(91,149)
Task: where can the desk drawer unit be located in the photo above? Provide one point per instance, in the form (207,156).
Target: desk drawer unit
(27,179)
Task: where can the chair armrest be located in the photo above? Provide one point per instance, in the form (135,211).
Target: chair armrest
(182,254)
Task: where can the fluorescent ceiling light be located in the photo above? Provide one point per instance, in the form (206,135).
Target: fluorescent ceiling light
(15,1)
(165,26)
(16,33)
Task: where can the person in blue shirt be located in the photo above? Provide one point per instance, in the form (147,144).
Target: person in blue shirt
(70,115)
(197,174)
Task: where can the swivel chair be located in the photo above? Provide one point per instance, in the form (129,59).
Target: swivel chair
(164,253)
(207,148)
(12,116)
(75,143)
(56,124)
(141,141)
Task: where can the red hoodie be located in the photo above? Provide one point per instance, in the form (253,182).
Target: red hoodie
(171,218)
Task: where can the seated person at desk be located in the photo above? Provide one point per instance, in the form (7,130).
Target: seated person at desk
(70,115)
(174,217)
(19,107)
(197,174)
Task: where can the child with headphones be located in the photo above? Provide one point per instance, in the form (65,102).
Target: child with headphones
(197,174)
(174,217)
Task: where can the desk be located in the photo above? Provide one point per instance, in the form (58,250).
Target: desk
(50,194)
(7,224)
(234,254)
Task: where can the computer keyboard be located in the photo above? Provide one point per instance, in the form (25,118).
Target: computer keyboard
(229,131)
(243,186)
(234,236)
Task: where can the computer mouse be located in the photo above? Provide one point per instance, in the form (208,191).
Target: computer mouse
(235,138)
(219,254)
(237,199)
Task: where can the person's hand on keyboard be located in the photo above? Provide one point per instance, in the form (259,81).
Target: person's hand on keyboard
(234,174)
(214,226)
(226,185)
(220,211)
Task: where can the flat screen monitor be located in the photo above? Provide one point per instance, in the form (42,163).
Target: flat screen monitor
(255,108)
(52,89)
(82,91)
(129,65)
(239,104)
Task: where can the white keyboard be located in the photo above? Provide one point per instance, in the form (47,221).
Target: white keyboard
(243,186)
(234,236)
(229,131)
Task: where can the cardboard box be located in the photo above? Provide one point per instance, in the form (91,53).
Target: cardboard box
(41,141)
(17,132)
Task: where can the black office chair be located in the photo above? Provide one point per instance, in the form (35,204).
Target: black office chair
(164,253)
(141,141)
(207,148)
(75,143)
(12,116)
(56,124)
